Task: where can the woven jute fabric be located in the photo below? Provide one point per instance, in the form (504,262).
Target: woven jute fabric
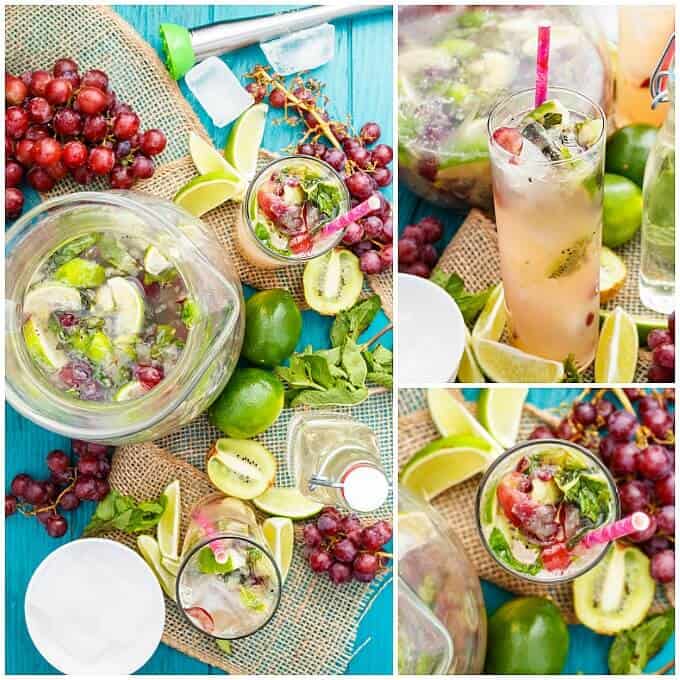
(473,254)
(458,507)
(96,37)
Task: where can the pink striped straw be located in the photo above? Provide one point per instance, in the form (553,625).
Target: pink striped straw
(209,529)
(356,213)
(638,521)
(542,59)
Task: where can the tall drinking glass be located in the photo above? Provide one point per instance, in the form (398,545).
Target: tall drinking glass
(549,220)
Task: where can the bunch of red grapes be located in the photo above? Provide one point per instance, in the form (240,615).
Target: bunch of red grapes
(662,344)
(639,450)
(339,545)
(62,123)
(417,253)
(67,486)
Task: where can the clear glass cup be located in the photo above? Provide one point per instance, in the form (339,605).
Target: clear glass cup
(456,62)
(549,221)
(253,248)
(442,620)
(491,518)
(211,350)
(228,584)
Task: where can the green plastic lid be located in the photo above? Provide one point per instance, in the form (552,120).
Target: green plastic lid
(179,54)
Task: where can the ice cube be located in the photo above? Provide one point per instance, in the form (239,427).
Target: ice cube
(218,91)
(301,51)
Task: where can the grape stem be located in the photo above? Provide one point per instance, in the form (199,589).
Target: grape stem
(52,506)
(665,668)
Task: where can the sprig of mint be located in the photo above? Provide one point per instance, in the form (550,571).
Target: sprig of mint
(470,304)
(632,649)
(250,599)
(125,514)
(571,372)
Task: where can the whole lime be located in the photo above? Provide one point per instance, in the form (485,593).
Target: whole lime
(273,327)
(621,211)
(249,404)
(628,149)
(527,636)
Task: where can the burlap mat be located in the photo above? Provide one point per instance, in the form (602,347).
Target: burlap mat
(457,505)
(473,254)
(96,37)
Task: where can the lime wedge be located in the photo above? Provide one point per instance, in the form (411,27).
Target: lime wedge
(278,532)
(245,140)
(224,646)
(149,550)
(617,349)
(206,192)
(81,273)
(42,346)
(491,321)
(286,503)
(451,418)
(644,324)
(612,274)
(499,409)
(155,262)
(167,530)
(207,158)
(42,300)
(502,363)
(130,390)
(171,566)
(444,463)
(468,370)
(129,306)
(100,347)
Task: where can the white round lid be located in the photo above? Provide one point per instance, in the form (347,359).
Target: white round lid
(365,488)
(94,607)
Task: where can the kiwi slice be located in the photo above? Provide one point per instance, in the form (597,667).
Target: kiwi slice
(570,259)
(333,281)
(617,593)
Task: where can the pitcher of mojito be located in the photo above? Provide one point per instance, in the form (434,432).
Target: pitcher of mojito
(547,168)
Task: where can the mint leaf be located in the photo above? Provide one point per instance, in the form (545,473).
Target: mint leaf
(73,248)
(125,514)
(324,195)
(191,313)
(354,321)
(590,494)
(632,649)
(343,394)
(250,599)
(470,304)
(209,565)
(499,546)
(571,372)
(354,364)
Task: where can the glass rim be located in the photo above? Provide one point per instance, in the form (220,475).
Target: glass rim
(207,541)
(507,454)
(246,202)
(493,145)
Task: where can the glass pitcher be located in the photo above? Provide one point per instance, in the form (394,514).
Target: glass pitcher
(212,346)
(442,620)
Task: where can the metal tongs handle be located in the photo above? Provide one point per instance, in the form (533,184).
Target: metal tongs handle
(662,71)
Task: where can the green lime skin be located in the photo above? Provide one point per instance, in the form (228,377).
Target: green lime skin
(628,149)
(273,327)
(527,636)
(621,210)
(249,404)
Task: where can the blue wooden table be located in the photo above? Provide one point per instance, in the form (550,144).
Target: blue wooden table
(359,82)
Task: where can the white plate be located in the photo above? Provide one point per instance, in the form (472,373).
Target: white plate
(430,333)
(93,606)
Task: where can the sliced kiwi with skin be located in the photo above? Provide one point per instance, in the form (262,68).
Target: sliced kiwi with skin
(616,594)
(570,259)
(333,281)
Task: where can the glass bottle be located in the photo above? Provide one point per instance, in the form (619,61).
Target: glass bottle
(335,460)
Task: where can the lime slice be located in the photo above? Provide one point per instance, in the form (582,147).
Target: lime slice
(286,503)
(171,566)
(491,321)
(612,274)
(617,349)
(207,158)
(103,300)
(149,550)
(451,418)
(100,347)
(502,363)
(130,390)
(42,300)
(644,324)
(499,409)
(42,346)
(206,192)
(155,262)
(129,306)
(167,530)
(81,273)
(278,532)
(245,140)
(444,463)
(468,370)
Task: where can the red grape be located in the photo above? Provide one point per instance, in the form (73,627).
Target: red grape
(382,155)
(15,90)
(142,167)
(657,337)
(645,534)
(653,462)
(57,171)
(663,566)
(10,503)
(58,91)
(257,91)
(621,425)
(659,374)
(69,501)
(542,432)
(152,142)
(417,269)
(655,544)
(658,422)
(67,123)
(429,255)
(14,173)
(74,154)
(39,80)
(664,355)
(360,156)
(96,78)
(344,550)
(56,526)
(354,233)
(365,567)
(415,233)
(82,174)
(85,488)
(46,151)
(624,459)
(277,98)
(408,251)
(382,176)
(35,493)
(665,520)
(58,461)
(335,158)
(359,185)
(585,413)
(509,138)
(386,257)
(432,229)
(101,160)
(327,524)
(19,484)
(634,496)
(604,409)
(91,100)
(370,132)
(122,177)
(62,66)
(319,560)
(16,122)
(339,573)
(370,262)
(40,179)
(384,529)
(102,490)
(665,489)
(311,535)
(95,128)
(125,125)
